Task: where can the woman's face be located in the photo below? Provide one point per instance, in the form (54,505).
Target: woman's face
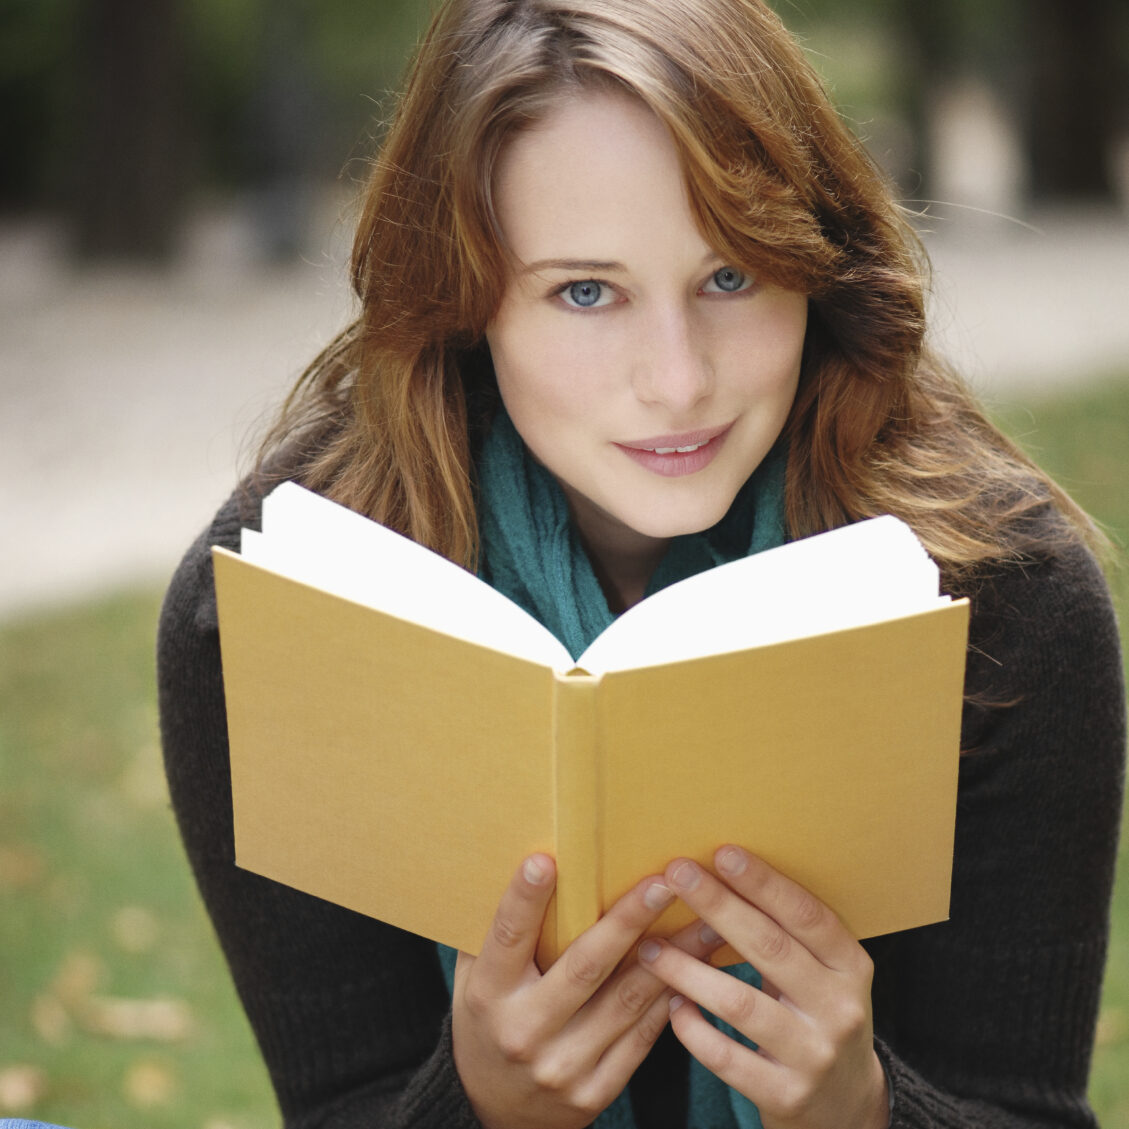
(645,372)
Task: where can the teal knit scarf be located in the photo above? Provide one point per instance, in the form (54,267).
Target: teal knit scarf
(532,554)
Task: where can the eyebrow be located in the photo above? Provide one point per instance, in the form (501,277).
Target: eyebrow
(596,265)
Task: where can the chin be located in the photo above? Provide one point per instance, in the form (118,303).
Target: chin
(667,524)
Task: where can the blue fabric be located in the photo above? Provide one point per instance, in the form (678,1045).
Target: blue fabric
(531,553)
(10,1123)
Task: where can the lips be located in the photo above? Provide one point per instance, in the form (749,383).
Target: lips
(677,441)
(679,453)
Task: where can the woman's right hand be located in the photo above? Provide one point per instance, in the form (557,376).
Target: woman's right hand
(553,1050)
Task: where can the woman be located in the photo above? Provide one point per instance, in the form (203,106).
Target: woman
(633,302)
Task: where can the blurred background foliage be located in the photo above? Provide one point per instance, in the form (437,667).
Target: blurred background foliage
(122,114)
(121,120)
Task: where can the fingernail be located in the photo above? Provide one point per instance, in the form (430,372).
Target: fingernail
(686,877)
(533,872)
(732,861)
(708,936)
(657,896)
(675,1003)
(649,950)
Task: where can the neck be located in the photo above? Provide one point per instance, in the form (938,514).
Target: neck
(622,559)
(625,587)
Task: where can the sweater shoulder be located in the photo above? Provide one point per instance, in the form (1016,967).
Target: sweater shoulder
(1055,608)
(190,600)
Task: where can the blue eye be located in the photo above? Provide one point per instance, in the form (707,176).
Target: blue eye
(584,295)
(728,280)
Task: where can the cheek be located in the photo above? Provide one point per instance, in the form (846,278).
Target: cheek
(770,354)
(543,371)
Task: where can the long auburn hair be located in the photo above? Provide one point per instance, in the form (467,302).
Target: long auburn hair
(383,419)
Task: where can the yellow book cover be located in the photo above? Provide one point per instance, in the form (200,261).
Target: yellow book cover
(402,735)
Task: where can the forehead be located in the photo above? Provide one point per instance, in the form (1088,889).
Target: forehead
(600,170)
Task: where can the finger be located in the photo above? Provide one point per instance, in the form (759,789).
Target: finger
(699,939)
(464,962)
(632,1011)
(625,1000)
(507,955)
(625,1053)
(736,1065)
(586,964)
(603,1043)
(769,988)
(759,938)
(788,903)
(767,1022)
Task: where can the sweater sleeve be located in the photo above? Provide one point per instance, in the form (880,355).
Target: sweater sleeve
(988,1019)
(350,1013)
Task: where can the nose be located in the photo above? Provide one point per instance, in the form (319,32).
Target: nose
(673,366)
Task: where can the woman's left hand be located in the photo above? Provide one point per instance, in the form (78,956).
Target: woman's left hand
(816,1067)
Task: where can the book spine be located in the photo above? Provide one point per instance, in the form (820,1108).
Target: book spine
(577,814)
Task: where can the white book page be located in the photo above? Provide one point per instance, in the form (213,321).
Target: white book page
(315,541)
(864,573)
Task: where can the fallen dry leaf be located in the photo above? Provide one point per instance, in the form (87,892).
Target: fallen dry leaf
(135,929)
(163,1019)
(149,1083)
(21,1086)
(1113,1026)
(143,782)
(50,1020)
(77,977)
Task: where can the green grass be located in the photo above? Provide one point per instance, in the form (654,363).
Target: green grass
(96,900)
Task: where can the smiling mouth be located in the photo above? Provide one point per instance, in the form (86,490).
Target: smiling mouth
(678,454)
(678,443)
(674,450)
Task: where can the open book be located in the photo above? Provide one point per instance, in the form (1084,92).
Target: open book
(402,735)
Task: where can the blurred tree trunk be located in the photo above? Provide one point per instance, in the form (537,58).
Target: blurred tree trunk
(129,185)
(1076,97)
(931,38)
(284,128)
(1055,63)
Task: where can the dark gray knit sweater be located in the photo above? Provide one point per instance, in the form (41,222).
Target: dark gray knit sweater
(984,1021)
